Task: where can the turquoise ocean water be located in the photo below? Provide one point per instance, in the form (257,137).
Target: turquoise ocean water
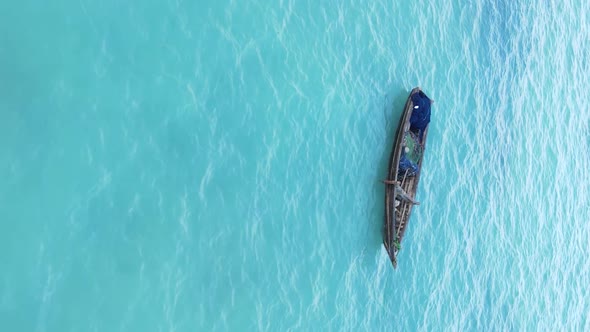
(215,165)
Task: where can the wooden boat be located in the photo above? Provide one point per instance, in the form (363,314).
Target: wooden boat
(402,181)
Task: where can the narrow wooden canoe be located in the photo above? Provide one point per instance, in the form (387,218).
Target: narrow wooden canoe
(409,149)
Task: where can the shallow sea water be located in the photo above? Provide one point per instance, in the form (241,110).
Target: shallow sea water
(215,165)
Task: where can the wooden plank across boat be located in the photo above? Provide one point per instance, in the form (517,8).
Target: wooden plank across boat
(405,166)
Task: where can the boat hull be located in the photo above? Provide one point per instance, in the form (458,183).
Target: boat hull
(398,210)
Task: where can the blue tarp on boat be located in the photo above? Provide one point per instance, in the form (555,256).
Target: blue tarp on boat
(421,113)
(406,165)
